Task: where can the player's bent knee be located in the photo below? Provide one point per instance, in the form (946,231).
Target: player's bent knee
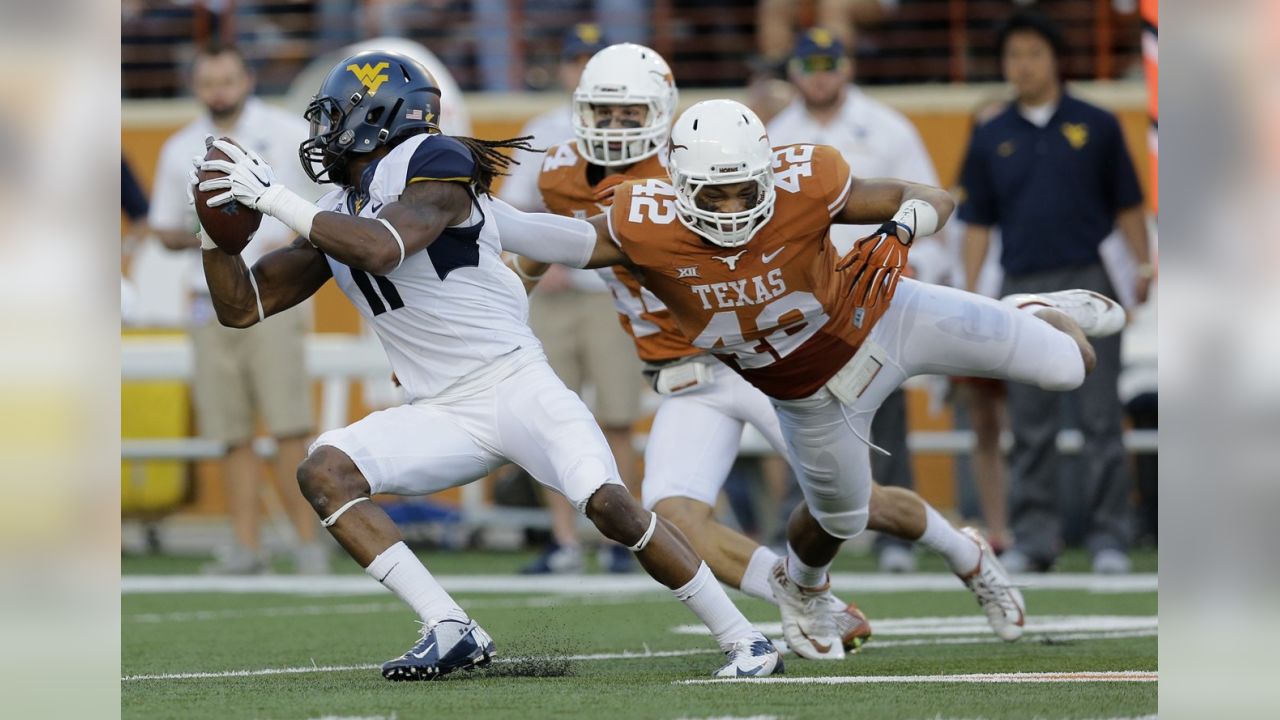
(616,514)
(328,479)
(1063,374)
(842,525)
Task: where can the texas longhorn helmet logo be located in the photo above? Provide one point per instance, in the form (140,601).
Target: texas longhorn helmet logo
(371,77)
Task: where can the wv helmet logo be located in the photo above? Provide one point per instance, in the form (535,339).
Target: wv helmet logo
(371,77)
(731,261)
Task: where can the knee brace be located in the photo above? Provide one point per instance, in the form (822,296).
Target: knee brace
(843,525)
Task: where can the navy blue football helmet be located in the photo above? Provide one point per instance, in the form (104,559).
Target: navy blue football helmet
(369,100)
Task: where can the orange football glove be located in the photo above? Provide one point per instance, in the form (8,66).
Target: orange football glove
(605,188)
(874,266)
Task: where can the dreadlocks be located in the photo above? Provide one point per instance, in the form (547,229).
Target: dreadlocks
(490,163)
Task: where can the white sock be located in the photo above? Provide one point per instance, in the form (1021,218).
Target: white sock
(806,576)
(961,553)
(704,596)
(755,580)
(404,574)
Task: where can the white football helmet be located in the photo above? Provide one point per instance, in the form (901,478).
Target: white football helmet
(718,142)
(624,74)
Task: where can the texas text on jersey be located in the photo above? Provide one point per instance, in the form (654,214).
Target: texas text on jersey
(773,309)
(435,335)
(568,184)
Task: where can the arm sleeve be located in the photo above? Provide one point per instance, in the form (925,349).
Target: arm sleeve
(977,205)
(440,158)
(544,237)
(1123,190)
(132,199)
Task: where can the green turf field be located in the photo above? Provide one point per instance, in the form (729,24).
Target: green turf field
(584,650)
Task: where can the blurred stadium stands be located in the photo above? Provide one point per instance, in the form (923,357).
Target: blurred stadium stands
(934,60)
(709,44)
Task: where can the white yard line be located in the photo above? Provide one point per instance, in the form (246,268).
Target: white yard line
(373,608)
(1036,677)
(303,669)
(970,624)
(860,583)
(592,657)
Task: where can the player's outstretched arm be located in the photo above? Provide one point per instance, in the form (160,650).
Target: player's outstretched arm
(243,296)
(906,211)
(879,200)
(547,238)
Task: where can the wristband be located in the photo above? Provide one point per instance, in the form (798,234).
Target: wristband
(289,208)
(918,217)
(205,242)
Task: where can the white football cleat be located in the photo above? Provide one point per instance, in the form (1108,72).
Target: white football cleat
(851,624)
(1095,313)
(752,656)
(998,598)
(808,624)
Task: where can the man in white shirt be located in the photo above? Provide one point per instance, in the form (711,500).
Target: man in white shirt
(876,141)
(573,315)
(242,375)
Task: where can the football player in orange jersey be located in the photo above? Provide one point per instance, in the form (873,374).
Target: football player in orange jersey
(826,336)
(622,110)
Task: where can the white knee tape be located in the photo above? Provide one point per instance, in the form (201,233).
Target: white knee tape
(648,534)
(329,521)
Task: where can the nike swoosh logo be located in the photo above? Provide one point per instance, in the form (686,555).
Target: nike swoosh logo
(750,673)
(768,258)
(823,648)
(373,210)
(424,652)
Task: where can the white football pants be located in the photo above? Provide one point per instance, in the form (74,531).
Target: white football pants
(529,418)
(695,437)
(928,329)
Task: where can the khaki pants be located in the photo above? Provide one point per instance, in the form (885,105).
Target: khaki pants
(586,345)
(254,372)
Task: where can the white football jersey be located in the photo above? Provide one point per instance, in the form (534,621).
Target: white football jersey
(450,311)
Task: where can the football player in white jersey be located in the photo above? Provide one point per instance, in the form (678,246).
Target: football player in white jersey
(412,238)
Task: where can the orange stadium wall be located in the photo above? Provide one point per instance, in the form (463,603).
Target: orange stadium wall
(941,115)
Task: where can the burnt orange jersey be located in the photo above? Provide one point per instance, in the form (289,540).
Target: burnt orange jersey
(773,309)
(568,190)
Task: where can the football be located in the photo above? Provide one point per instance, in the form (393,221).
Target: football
(231,225)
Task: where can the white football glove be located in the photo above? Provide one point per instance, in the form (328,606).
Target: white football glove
(251,181)
(248,177)
(193,178)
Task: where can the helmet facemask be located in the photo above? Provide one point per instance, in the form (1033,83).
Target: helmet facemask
(334,137)
(726,229)
(631,144)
